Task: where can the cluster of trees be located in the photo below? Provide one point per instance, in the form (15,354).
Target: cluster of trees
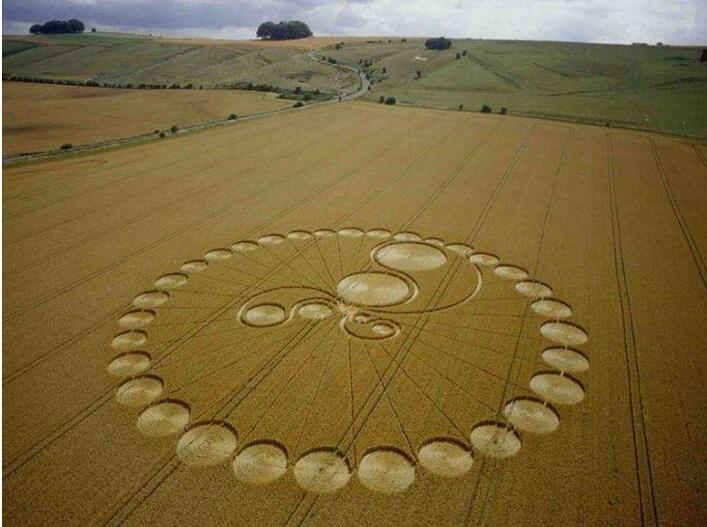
(285,30)
(438,43)
(54,27)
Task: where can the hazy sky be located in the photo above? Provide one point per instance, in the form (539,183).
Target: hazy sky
(621,21)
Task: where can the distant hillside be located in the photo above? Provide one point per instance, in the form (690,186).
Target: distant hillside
(658,88)
(136,59)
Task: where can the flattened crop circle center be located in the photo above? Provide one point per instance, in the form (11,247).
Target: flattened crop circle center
(373,289)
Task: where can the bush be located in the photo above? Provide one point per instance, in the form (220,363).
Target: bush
(459,55)
(503,111)
(461,107)
(485,108)
(390,101)
(298,104)
(440,43)
(298,90)
(418,74)
(384,71)
(703,57)
(156,132)
(464,52)
(66,146)
(232,117)
(174,129)
(307,96)
(381,99)
(162,134)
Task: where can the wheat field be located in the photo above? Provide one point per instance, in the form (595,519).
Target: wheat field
(358,315)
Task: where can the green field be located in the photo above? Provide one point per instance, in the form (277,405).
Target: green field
(646,87)
(125,59)
(656,88)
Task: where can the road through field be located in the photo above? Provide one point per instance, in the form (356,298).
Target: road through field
(356,315)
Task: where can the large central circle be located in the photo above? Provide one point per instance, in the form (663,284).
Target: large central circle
(373,289)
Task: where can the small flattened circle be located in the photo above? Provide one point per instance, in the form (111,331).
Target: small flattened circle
(495,440)
(446,458)
(566,359)
(260,463)
(510,272)
(299,235)
(171,281)
(163,419)
(383,329)
(558,389)
(324,233)
(245,246)
(129,340)
(551,308)
(322,471)
(207,444)
(378,233)
(136,319)
(533,289)
(129,364)
(484,259)
(531,415)
(150,299)
(350,232)
(264,315)
(435,241)
(271,239)
(386,470)
(194,266)
(564,333)
(373,289)
(218,255)
(315,311)
(462,249)
(407,237)
(139,391)
(410,257)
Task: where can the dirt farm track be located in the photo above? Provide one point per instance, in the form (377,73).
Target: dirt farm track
(359,315)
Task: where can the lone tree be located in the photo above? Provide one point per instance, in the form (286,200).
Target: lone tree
(440,43)
(285,30)
(54,27)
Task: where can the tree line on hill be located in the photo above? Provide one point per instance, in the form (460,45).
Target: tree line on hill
(54,27)
(285,30)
